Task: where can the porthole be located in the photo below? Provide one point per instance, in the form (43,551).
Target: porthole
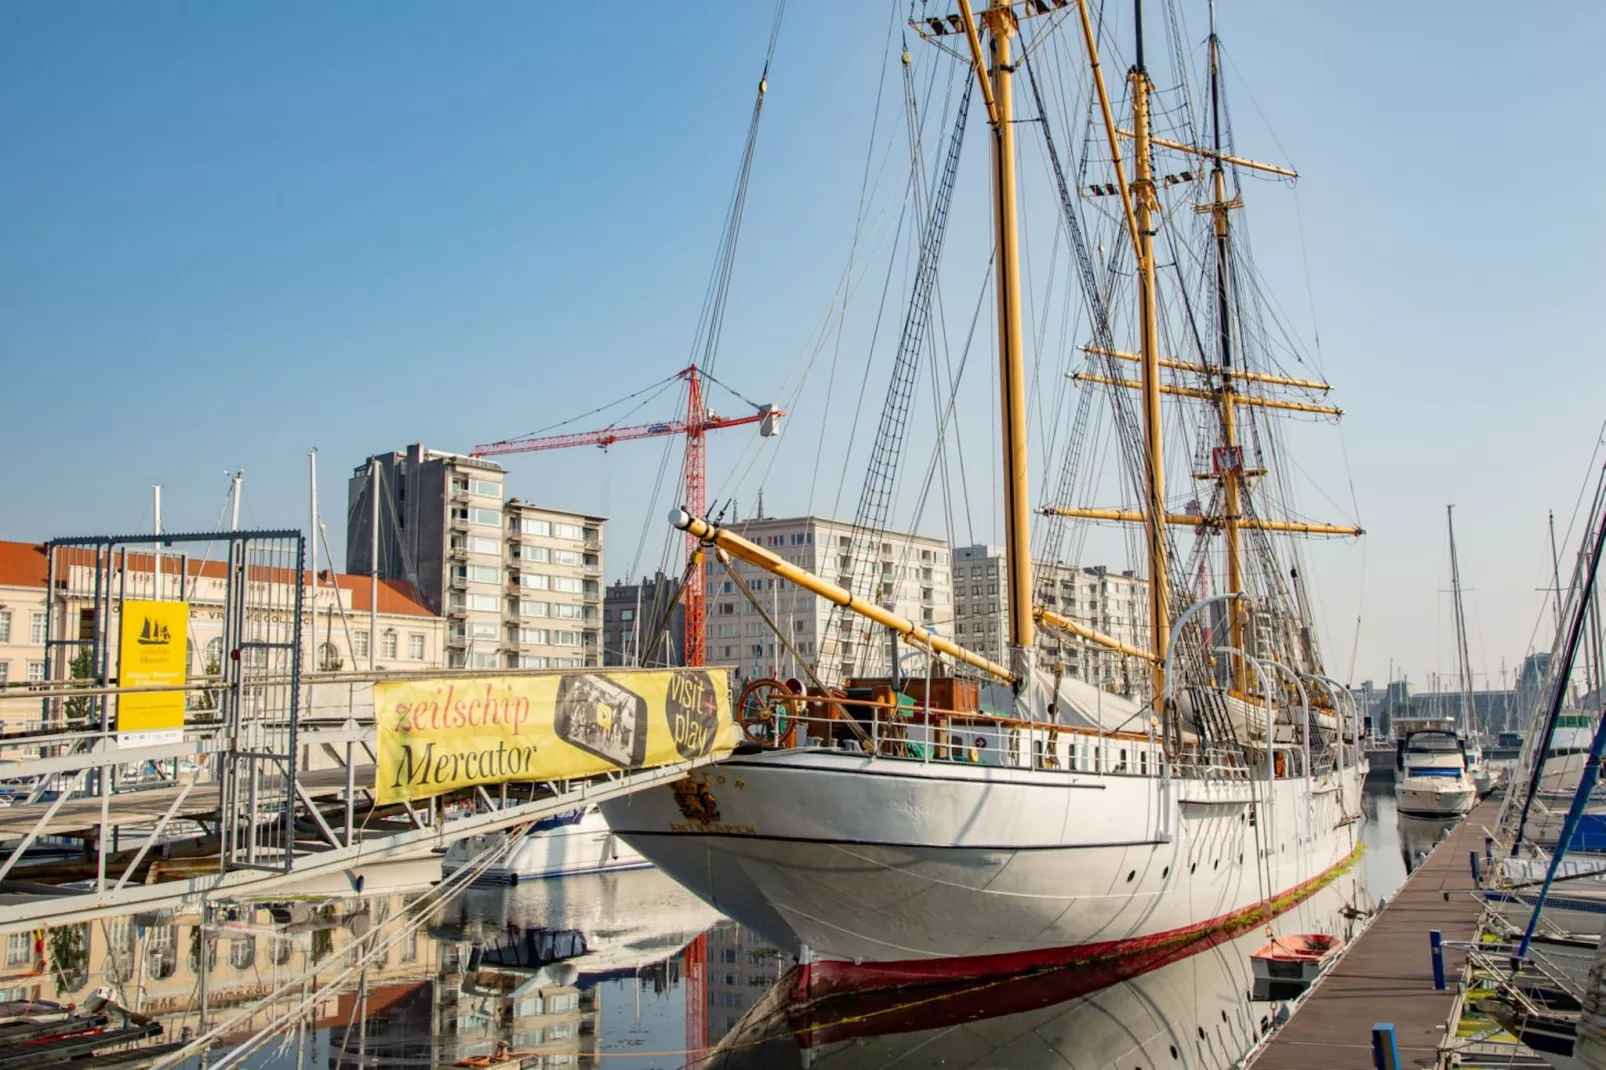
(1164,873)
(1174,1054)
(1216,863)
(1130,874)
(1193,867)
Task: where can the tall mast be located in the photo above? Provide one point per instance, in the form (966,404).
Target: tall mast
(1001,26)
(1463,660)
(1154,448)
(1228,463)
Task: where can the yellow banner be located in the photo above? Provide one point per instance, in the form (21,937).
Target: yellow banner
(439,735)
(154,650)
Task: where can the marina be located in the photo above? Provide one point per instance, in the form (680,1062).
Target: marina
(1089,573)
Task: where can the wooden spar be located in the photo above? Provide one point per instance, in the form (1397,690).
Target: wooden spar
(1211,154)
(1082,631)
(1133,516)
(714,535)
(1203,369)
(1210,395)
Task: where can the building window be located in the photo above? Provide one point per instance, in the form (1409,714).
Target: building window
(415,647)
(627,614)
(479,544)
(566,638)
(19,948)
(5,625)
(488,517)
(567,557)
(36,671)
(5,672)
(485,574)
(485,488)
(535,581)
(482,630)
(387,644)
(482,660)
(531,661)
(563,612)
(567,531)
(484,603)
(535,636)
(535,527)
(535,609)
(328,658)
(36,628)
(359,645)
(568,663)
(539,554)
(568,584)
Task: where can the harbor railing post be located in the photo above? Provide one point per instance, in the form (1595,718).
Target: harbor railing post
(1477,876)
(1385,1049)
(1436,941)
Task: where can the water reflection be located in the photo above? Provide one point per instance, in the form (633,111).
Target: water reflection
(565,972)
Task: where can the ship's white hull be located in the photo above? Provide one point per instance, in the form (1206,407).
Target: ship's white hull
(587,846)
(889,871)
(1434,796)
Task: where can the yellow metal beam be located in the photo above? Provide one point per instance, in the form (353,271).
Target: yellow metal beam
(753,554)
(1210,154)
(1190,392)
(1065,624)
(1185,366)
(1187,520)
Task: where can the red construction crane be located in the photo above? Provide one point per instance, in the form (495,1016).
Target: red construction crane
(698,422)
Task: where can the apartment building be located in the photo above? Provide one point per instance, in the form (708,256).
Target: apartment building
(520,585)
(910,577)
(631,613)
(1114,603)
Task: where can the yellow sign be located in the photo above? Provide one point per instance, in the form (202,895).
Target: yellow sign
(440,735)
(154,651)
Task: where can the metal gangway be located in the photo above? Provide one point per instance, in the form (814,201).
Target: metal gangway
(269,780)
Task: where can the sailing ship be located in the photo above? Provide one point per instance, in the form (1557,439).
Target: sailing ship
(984,819)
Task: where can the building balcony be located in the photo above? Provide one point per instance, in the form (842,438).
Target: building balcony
(458,583)
(458,553)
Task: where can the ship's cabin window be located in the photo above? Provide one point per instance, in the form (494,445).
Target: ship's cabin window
(1121,767)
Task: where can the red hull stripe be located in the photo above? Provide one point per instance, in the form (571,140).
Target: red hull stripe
(829,977)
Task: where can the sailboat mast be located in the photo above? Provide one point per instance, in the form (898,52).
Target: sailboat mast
(1144,207)
(1001,26)
(1230,464)
(1461,654)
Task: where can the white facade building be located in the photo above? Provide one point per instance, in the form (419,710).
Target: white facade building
(911,578)
(1114,603)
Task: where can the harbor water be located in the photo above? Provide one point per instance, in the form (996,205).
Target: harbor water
(629,970)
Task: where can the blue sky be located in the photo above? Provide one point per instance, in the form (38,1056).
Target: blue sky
(237,232)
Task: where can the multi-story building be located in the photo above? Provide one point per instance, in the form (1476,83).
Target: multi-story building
(1114,603)
(631,615)
(741,968)
(519,584)
(410,636)
(910,578)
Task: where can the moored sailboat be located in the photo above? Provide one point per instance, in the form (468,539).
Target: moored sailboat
(901,830)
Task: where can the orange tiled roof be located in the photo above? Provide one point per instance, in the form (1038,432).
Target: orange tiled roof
(23,564)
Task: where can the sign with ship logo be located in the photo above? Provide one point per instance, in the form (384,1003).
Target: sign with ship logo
(154,652)
(444,734)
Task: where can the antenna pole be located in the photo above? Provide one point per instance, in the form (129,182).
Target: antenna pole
(234,500)
(373,560)
(156,525)
(1154,440)
(312,549)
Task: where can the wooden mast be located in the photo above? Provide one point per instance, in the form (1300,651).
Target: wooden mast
(1228,463)
(1144,207)
(997,80)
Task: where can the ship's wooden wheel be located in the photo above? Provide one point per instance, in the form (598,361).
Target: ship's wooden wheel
(767,709)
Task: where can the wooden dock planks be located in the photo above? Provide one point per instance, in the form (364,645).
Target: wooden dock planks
(1387,976)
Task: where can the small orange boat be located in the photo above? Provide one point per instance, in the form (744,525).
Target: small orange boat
(1300,957)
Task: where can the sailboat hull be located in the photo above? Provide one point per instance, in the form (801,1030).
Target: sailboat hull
(878,872)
